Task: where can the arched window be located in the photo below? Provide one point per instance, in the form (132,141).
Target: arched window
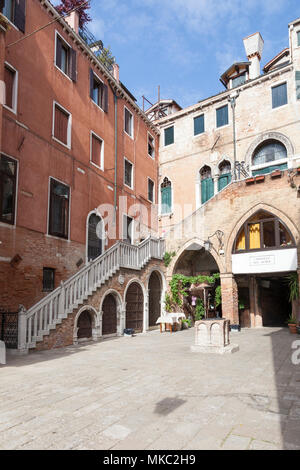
(263,231)
(269,152)
(207,184)
(225,174)
(95,237)
(166,196)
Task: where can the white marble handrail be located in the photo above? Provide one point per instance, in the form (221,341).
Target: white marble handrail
(48,312)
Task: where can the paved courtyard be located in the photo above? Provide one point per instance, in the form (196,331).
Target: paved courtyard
(151,392)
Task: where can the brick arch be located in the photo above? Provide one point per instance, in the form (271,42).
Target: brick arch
(119,304)
(95,323)
(239,223)
(213,252)
(269,136)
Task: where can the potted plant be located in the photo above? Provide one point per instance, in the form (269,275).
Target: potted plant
(186,323)
(292,323)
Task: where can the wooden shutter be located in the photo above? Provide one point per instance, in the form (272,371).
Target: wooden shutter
(105,103)
(91,83)
(298,85)
(166,199)
(207,189)
(96,150)
(9,77)
(73,64)
(169,136)
(61,121)
(19,17)
(222,116)
(58,52)
(223,181)
(279,95)
(199,125)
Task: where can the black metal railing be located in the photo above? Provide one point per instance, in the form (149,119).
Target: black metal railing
(9,329)
(94,44)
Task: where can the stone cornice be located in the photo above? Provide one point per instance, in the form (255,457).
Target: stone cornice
(222,96)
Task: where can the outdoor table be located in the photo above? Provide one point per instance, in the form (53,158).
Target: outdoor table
(169,319)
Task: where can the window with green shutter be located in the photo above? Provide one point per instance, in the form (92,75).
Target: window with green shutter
(222,116)
(224,174)
(298,85)
(199,125)
(207,184)
(298,38)
(166,196)
(279,95)
(169,136)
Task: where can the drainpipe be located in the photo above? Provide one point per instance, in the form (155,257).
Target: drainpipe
(232,99)
(116,157)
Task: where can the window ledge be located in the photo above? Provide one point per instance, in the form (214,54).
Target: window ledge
(55,237)
(12,110)
(61,143)
(63,73)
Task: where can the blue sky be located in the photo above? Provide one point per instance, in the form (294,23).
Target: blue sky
(185,45)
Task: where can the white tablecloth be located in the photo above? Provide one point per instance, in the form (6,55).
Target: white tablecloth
(170,318)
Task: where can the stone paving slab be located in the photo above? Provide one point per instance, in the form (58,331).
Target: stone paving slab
(152,392)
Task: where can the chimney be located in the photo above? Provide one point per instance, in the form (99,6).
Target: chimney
(254,45)
(116,72)
(73,20)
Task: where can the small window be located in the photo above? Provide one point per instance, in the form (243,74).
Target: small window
(237,81)
(279,95)
(128,124)
(59,209)
(166,196)
(199,125)
(97,146)
(128,229)
(11,85)
(48,279)
(62,125)
(150,190)
(222,116)
(14,10)
(128,171)
(8,178)
(169,136)
(298,38)
(66,59)
(151,146)
(98,91)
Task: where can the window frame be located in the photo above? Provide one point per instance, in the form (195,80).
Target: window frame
(101,167)
(245,227)
(14,109)
(132,228)
(154,146)
(166,214)
(101,84)
(11,22)
(132,123)
(57,34)
(69,130)
(196,117)
(165,129)
(284,82)
(132,174)
(216,116)
(53,271)
(148,180)
(12,224)
(49,208)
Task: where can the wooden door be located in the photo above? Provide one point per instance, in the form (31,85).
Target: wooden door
(85,325)
(134,307)
(154,299)
(109,318)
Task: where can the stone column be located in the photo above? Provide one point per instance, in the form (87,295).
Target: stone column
(22,331)
(122,318)
(230,309)
(255,310)
(146,313)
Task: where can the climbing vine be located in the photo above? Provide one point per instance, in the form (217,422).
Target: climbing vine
(179,285)
(168,258)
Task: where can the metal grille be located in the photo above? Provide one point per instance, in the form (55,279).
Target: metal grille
(9,329)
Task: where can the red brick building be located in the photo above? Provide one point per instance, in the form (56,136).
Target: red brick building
(73,138)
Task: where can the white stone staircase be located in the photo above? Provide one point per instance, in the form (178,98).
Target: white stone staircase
(49,312)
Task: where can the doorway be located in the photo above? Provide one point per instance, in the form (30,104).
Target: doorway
(109,317)
(134,307)
(154,298)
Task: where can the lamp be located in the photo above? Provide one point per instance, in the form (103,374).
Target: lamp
(208,244)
